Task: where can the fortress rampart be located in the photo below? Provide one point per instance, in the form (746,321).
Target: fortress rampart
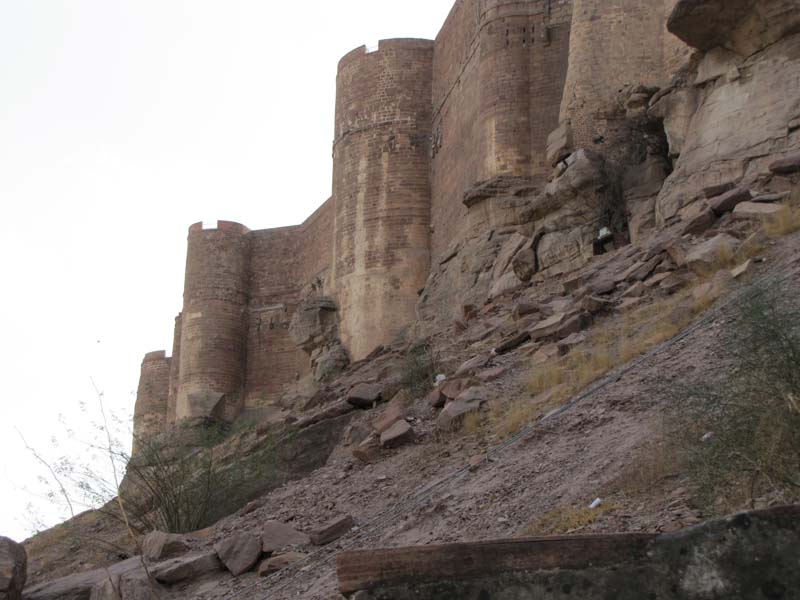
(418,123)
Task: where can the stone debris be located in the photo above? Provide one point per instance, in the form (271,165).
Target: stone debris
(277,536)
(279,562)
(756,210)
(332,530)
(397,435)
(158,546)
(239,553)
(187,567)
(365,395)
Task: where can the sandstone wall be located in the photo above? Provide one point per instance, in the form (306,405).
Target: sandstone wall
(214,324)
(174,371)
(150,411)
(381,189)
(499,71)
(615,44)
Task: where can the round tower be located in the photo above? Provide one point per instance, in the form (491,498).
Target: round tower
(381,187)
(507,37)
(213,322)
(150,410)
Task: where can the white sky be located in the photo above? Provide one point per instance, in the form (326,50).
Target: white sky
(122,122)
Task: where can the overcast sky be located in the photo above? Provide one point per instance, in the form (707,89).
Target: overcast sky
(122,122)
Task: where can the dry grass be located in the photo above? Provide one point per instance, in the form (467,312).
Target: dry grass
(724,258)
(653,465)
(783,223)
(472,423)
(568,519)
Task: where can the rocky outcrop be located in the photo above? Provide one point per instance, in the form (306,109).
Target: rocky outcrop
(738,110)
(315,328)
(13,569)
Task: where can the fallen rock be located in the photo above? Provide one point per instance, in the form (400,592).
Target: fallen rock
(512,343)
(279,562)
(368,451)
(276,536)
(700,222)
(397,435)
(524,263)
(786,166)
(523,309)
(756,210)
(454,412)
(593,304)
(729,200)
(79,586)
(453,387)
(570,342)
(436,399)
(472,365)
(506,284)
(130,586)
(712,191)
(636,290)
(491,374)
(190,566)
(158,546)
(559,144)
(394,412)
(560,326)
(13,569)
(712,253)
(332,530)
(364,395)
(239,553)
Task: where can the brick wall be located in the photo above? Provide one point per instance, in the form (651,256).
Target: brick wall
(214,317)
(174,372)
(381,188)
(615,43)
(499,72)
(150,411)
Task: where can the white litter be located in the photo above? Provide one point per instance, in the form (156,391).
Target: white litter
(596,503)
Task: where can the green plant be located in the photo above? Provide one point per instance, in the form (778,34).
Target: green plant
(419,369)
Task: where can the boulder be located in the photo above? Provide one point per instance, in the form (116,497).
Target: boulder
(454,412)
(491,374)
(453,387)
(704,24)
(712,191)
(472,365)
(279,562)
(329,360)
(239,553)
(394,412)
(436,399)
(332,530)
(364,395)
(560,326)
(130,586)
(187,567)
(158,546)
(80,586)
(369,450)
(756,210)
(13,569)
(512,343)
(713,253)
(397,435)
(787,165)
(276,536)
(700,222)
(729,200)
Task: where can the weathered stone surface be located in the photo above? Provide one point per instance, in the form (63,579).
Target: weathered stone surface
(756,210)
(276,536)
(454,412)
(786,166)
(436,399)
(559,144)
(729,200)
(745,557)
(332,530)
(130,586)
(394,411)
(717,189)
(397,435)
(365,395)
(508,283)
(512,343)
(507,252)
(369,450)
(80,585)
(524,263)
(472,365)
(329,360)
(187,567)
(712,253)
(279,562)
(13,569)
(239,553)
(700,222)
(453,387)
(740,270)
(158,546)
(314,323)
(491,374)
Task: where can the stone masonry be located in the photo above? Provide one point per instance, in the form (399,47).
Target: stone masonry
(418,123)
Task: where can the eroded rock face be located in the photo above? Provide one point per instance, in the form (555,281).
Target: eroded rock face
(13,569)
(315,328)
(738,110)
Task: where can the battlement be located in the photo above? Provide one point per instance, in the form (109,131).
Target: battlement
(383,46)
(155,356)
(227,226)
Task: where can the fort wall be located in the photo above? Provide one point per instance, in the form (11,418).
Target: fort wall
(214,323)
(499,71)
(417,124)
(150,410)
(381,186)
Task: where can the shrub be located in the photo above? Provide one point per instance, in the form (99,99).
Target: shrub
(738,434)
(419,369)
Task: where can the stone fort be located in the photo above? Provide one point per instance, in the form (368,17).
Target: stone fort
(418,123)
